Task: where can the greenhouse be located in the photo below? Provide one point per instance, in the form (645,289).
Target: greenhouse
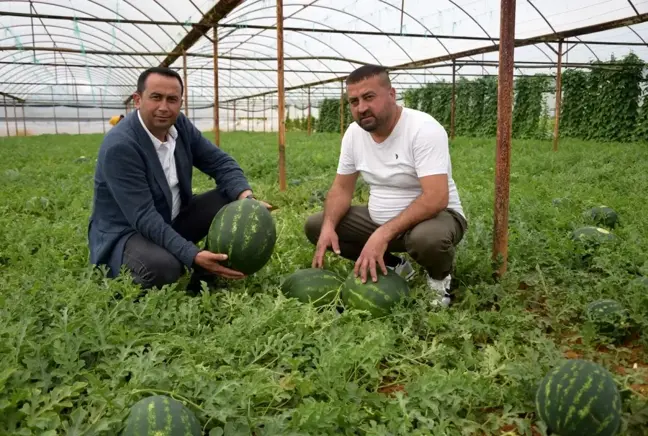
(545,110)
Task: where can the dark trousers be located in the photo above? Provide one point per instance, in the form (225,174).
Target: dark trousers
(431,243)
(152,265)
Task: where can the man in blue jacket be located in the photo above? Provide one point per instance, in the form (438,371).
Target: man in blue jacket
(145,216)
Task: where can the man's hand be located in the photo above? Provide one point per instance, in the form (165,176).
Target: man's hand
(210,262)
(328,238)
(244,194)
(372,253)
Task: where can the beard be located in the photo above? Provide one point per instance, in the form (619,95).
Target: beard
(369,122)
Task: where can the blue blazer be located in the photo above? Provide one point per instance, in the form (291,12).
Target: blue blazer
(131,193)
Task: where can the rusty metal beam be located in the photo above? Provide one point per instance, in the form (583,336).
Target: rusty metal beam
(558,98)
(13,97)
(210,19)
(504,134)
(608,25)
(282,95)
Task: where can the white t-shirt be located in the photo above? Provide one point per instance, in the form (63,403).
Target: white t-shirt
(417,147)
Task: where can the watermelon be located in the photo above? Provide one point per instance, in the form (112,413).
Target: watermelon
(312,285)
(640,281)
(160,415)
(579,398)
(246,232)
(608,317)
(591,236)
(377,298)
(602,216)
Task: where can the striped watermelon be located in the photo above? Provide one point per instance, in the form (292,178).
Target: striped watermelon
(246,232)
(602,216)
(608,317)
(579,398)
(377,298)
(592,236)
(312,285)
(160,415)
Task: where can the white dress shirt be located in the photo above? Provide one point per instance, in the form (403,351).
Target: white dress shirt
(165,152)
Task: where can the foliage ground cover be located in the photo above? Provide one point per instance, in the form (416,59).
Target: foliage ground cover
(77,350)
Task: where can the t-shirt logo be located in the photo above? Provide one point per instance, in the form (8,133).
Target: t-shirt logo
(396,155)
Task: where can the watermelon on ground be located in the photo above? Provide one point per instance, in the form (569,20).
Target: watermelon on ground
(591,236)
(608,317)
(246,232)
(312,285)
(602,216)
(160,415)
(579,398)
(377,298)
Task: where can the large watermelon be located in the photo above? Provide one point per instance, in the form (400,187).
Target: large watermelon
(608,317)
(602,216)
(579,398)
(377,298)
(312,285)
(160,415)
(246,232)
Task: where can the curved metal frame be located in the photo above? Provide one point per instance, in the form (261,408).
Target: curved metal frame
(229,41)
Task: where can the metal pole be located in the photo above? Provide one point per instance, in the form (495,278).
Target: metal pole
(309,111)
(4,104)
(186,87)
(504,131)
(234,115)
(453,104)
(341,108)
(15,117)
(558,97)
(24,121)
(103,117)
(216,108)
(264,114)
(281,95)
(54,109)
(248,115)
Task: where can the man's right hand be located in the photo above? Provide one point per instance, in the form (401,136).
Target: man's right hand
(210,262)
(328,238)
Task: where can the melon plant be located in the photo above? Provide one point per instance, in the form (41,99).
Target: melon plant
(377,298)
(246,232)
(160,415)
(608,317)
(579,398)
(603,216)
(312,285)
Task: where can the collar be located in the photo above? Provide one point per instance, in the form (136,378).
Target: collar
(173,133)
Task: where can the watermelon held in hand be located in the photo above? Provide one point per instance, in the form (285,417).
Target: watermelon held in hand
(602,216)
(246,232)
(377,298)
(160,415)
(312,285)
(579,398)
(608,317)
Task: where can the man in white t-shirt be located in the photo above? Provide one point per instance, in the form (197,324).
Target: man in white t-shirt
(414,205)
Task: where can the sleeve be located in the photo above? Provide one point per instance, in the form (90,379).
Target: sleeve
(431,151)
(346,162)
(217,164)
(125,176)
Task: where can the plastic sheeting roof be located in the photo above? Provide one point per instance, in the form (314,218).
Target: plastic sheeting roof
(247,55)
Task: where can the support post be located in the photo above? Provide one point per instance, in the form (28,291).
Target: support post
(24,120)
(186,87)
(54,109)
(4,104)
(453,102)
(504,132)
(558,98)
(248,115)
(281,95)
(15,117)
(234,115)
(309,111)
(216,108)
(341,108)
(264,114)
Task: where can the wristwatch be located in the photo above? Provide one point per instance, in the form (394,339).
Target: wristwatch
(251,197)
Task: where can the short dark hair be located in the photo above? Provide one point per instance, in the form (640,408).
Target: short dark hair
(164,71)
(367,71)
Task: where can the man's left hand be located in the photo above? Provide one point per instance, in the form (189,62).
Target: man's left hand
(246,193)
(372,254)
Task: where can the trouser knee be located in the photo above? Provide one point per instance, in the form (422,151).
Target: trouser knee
(313,226)
(158,272)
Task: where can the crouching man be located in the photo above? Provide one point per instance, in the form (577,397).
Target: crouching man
(414,206)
